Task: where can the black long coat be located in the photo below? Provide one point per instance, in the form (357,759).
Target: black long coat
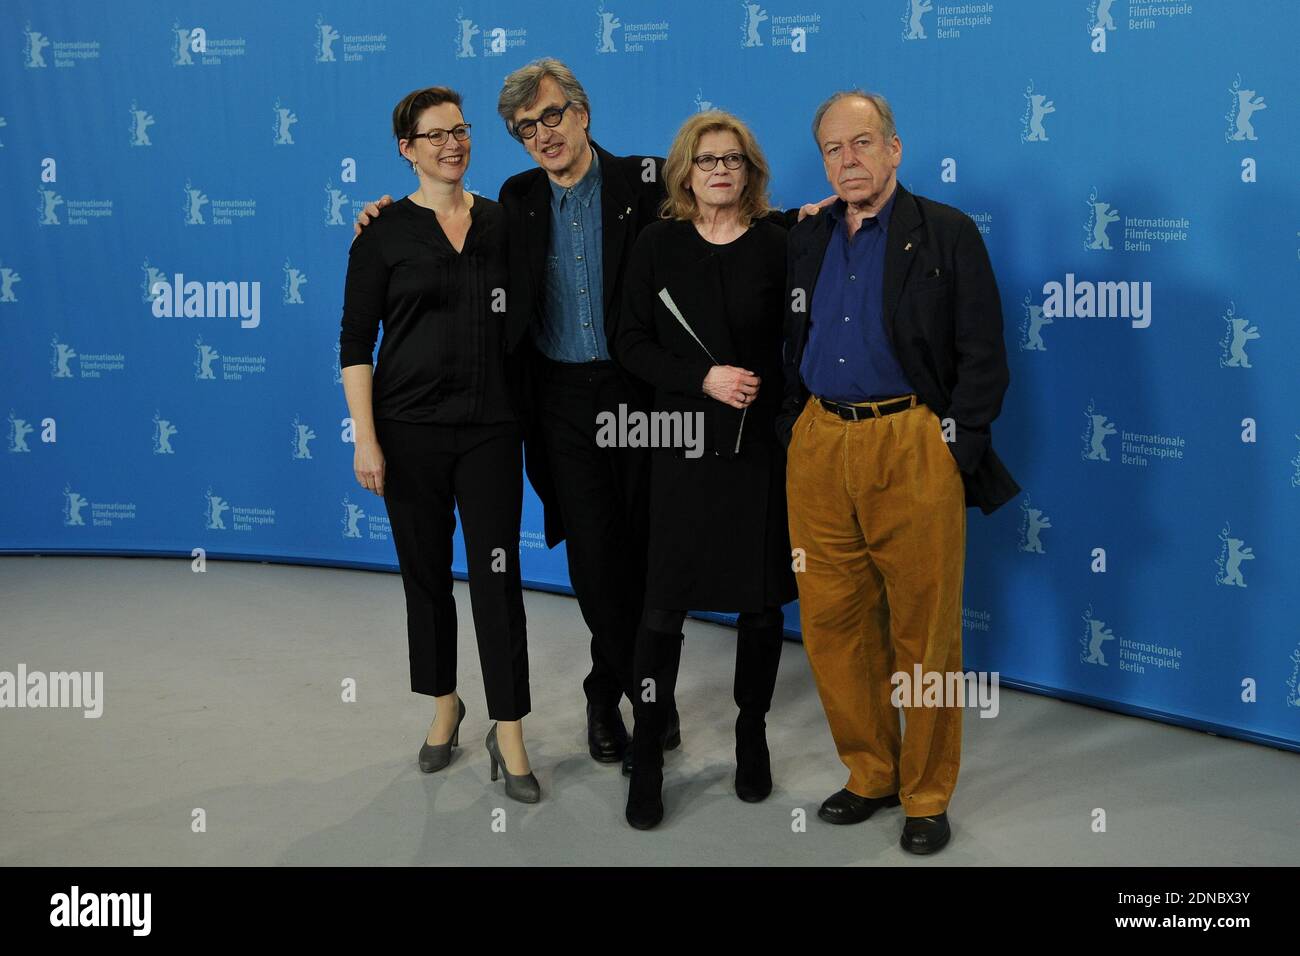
(718,534)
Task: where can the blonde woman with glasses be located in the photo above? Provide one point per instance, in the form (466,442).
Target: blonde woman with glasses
(702,324)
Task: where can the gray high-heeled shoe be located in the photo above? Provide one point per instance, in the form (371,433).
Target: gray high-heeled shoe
(521,787)
(434,757)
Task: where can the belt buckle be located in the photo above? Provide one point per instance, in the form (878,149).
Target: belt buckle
(855,412)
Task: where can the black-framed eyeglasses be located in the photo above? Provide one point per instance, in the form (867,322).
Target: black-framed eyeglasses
(437,137)
(708,162)
(551,117)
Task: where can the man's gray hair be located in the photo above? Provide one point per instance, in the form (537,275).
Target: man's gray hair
(521,86)
(875,99)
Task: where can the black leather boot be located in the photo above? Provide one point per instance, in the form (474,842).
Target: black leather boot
(758,656)
(671,742)
(658,656)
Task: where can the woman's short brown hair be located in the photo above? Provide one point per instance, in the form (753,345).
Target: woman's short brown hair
(680,202)
(406,114)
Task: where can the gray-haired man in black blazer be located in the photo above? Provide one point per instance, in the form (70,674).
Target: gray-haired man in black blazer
(895,369)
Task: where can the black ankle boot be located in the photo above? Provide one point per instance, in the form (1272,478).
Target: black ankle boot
(758,655)
(657,656)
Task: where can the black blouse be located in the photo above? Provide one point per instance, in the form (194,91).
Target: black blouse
(733,296)
(441,356)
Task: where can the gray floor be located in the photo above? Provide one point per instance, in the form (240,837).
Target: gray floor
(222,692)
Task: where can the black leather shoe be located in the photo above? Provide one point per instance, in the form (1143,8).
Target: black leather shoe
(606,734)
(848,807)
(926,834)
(671,742)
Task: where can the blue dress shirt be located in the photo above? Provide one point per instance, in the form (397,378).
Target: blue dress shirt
(848,357)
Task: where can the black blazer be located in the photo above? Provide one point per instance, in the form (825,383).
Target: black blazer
(630,193)
(943,316)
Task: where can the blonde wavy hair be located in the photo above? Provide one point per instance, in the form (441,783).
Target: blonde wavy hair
(680,202)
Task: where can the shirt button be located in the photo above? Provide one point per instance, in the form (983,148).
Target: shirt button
(586,325)
(846,318)
(841,361)
(582,291)
(852,277)
(575,223)
(579,258)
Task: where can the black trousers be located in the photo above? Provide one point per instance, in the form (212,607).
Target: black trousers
(603,495)
(430,470)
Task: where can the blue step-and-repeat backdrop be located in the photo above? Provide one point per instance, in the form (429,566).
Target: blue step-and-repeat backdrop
(1132,165)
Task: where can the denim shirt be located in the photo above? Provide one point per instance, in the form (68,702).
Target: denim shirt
(573,325)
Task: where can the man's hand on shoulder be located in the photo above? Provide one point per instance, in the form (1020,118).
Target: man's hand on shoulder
(369,213)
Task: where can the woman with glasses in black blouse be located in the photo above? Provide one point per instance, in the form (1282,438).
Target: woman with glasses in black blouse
(436,428)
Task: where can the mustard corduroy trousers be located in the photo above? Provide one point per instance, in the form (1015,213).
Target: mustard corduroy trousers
(878,508)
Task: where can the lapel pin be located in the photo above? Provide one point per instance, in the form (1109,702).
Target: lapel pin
(907,248)
(628,210)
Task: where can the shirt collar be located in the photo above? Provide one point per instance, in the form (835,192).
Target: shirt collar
(584,188)
(839,209)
